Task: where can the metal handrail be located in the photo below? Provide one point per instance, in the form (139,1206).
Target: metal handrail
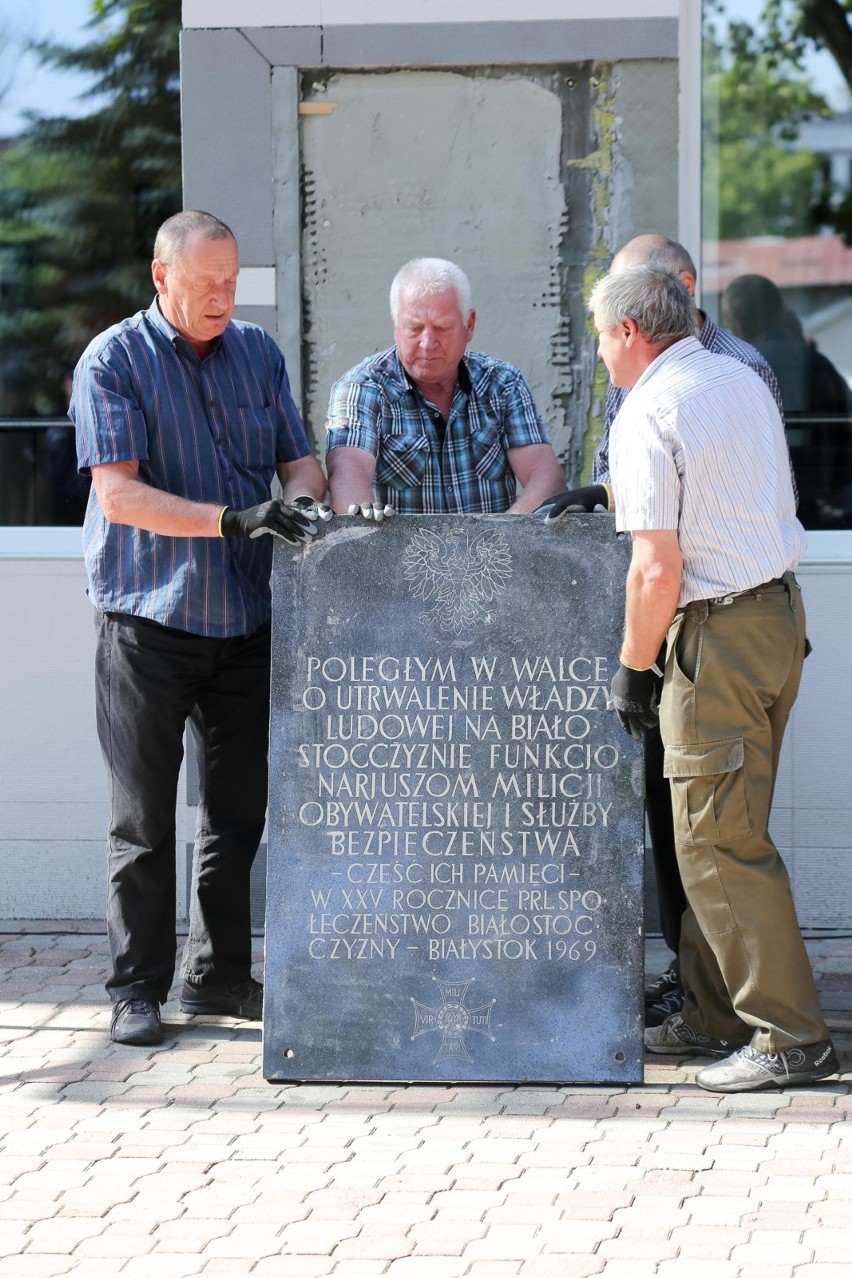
(33,423)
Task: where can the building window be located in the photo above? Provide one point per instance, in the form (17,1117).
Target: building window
(777,222)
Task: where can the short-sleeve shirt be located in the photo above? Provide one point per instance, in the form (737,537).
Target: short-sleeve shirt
(715,339)
(210,430)
(699,447)
(422,464)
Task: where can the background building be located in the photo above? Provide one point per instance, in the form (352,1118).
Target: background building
(339,138)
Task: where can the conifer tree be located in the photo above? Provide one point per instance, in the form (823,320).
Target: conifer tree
(81,200)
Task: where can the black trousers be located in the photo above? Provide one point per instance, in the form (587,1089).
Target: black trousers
(151,680)
(671,897)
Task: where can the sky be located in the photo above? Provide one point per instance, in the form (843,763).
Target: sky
(32,86)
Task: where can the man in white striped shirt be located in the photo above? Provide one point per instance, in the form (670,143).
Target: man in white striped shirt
(702,481)
(664,995)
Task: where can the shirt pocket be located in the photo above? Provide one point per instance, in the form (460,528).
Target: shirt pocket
(256,437)
(402,459)
(489,453)
(708,791)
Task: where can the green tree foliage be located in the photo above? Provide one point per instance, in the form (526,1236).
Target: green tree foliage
(755,97)
(826,24)
(81,200)
(757,93)
(793,28)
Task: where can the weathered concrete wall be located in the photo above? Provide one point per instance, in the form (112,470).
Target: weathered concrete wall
(644,171)
(528,177)
(446,164)
(634,189)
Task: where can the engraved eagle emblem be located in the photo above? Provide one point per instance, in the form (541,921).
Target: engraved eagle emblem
(460,574)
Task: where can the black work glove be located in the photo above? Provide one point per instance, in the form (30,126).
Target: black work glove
(577,500)
(275,516)
(634,696)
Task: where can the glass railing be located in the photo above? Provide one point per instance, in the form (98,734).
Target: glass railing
(40,486)
(39,483)
(821,453)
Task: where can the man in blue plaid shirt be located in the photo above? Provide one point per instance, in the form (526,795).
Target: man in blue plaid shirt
(427,427)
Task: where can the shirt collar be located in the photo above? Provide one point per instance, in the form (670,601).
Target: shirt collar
(708,330)
(465,383)
(176,339)
(671,352)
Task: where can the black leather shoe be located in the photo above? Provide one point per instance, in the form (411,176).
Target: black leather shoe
(136,1023)
(664,984)
(243,999)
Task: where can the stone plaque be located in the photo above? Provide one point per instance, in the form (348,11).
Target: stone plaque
(455,864)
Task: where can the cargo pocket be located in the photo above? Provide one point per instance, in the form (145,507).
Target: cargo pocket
(708,791)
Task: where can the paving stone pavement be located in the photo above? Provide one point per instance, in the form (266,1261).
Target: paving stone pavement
(179,1160)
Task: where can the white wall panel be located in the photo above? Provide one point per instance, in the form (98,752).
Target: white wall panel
(54,803)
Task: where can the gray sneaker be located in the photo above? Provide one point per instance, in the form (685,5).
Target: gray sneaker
(665,982)
(665,1006)
(750,1070)
(675,1038)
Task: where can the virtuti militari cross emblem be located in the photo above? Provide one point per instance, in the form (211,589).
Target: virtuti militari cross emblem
(452,1020)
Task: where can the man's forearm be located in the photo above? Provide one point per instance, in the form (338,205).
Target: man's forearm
(649,608)
(537,491)
(128,500)
(653,587)
(537,470)
(302,478)
(350,478)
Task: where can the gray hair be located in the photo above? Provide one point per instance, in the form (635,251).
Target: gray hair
(426,276)
(655,299)
(177,229)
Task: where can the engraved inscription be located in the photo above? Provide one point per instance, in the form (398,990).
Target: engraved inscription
(459,800)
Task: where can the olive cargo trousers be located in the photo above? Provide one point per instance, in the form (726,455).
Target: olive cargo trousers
(732,674)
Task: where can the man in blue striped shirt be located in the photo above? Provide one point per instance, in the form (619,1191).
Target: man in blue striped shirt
(701,480)
(430,426)
(184,417)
